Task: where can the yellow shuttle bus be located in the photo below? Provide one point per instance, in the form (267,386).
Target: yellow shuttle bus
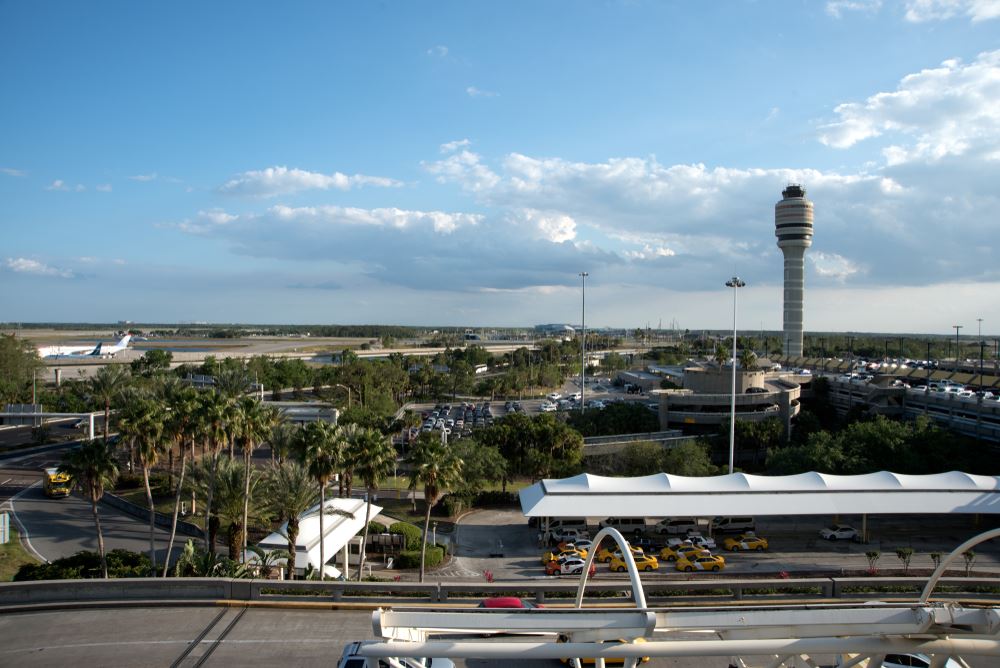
(55,484)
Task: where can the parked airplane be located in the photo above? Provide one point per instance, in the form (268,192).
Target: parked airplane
(76,352)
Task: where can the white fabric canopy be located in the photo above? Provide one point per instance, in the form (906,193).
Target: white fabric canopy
(666,495)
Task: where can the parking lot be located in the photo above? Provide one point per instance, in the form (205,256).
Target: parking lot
(795,547)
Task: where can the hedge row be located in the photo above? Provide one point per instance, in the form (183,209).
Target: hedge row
(412,534)
(411,558)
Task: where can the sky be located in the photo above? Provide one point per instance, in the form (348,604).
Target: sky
(461,163)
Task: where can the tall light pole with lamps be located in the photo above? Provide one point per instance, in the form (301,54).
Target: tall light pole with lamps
(957,327)
(735,283)
(583,342)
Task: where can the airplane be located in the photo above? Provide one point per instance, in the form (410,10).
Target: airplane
(75,352)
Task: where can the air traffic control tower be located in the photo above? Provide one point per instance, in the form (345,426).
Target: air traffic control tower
(793,225)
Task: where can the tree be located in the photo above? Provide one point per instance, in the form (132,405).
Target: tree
(321,450)
(180,426)
(141,424)
(641,458)
(721,353)
(282,440)
(481,465)
(152,362)
(748,359)
(904,554)
(105,385)
(289,492)
(235,494)
(257,421)
(376,460)
(213,420)
(689,459)
(93,469)
(18,364)
(435,468)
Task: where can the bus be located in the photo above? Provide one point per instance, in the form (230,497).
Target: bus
(55,483)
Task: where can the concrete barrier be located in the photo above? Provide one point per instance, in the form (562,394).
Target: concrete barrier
(195,590)
(161,520)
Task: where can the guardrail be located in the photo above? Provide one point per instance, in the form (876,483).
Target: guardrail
(161,520)
(209,590)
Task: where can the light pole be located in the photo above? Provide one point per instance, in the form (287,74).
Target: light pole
(735,283)
(957,327)
(583,341)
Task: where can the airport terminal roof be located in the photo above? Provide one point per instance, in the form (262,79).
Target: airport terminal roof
(666,495)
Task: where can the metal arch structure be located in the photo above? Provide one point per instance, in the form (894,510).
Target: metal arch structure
(953,556)
(859,634)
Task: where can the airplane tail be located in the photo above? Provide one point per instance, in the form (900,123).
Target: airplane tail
(124,341)
(97,350)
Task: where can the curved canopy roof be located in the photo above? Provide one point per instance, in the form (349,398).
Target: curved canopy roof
(666,495)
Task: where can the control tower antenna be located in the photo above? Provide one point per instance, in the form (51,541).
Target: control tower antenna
(793,225)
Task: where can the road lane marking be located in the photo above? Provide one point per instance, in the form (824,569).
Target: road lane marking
(20,525)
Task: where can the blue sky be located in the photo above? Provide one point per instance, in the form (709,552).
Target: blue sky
(437,163)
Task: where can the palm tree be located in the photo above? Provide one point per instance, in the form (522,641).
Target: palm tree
(436,468)
(213,416)
(232,382)
(180,426)
(105,386)
(257,421)
(234,494)
(141,424)
(376,461)
(321,449)
(350,434)
(93,469)
(748,359)
(289,493)
(721,353)
(282,441)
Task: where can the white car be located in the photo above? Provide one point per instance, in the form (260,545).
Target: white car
(575,396)
(553,396)
(548,407)
(914,661)
(838,532)
(676,526)
(350,658)
(694,538)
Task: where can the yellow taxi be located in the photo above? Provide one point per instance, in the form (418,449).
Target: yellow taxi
(607,553)
(674,552)
(555,555)
(644,562)
(701,562)
(745,542)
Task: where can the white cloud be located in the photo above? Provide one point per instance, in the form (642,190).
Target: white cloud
(919,11)
(836,7)
(551,226)
(58,184)
(440,51)
(832,265)
(10,171)
(275,181)
(103,188)
(452,146)
(950,110)
(22,265)
(464,167)
(472,91)
(144,178)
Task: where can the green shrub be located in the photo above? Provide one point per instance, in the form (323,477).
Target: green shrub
(411,558)
(453,505)
(412,534)
(121,564)
(376,527)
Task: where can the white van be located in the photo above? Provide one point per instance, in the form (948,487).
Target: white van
(676,526)
(636,525)
(733,524)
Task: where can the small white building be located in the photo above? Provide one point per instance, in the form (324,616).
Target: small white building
(343,521)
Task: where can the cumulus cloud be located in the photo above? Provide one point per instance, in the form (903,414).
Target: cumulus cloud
(919,11)
(836,8)
(23,265)
(58,184)
(950,110)
(472,91)
(832,265)
(450,147)
(464,167)
(275,181)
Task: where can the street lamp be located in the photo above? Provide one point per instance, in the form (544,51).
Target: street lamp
(583,341)
(957,327)
(735,283)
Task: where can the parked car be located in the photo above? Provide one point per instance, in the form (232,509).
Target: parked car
(507,602)
(644,562)
(745,542)
(680,551)
(839,532)
(733,524)
(568,566)
(694,538)
(701,562)
(914,661)
(582,544)
(676,526)
(572,534)
(608,552)
(553,396)
(556,556)
(625,525)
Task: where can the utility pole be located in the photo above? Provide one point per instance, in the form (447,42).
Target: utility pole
(957,327)
(583,342)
